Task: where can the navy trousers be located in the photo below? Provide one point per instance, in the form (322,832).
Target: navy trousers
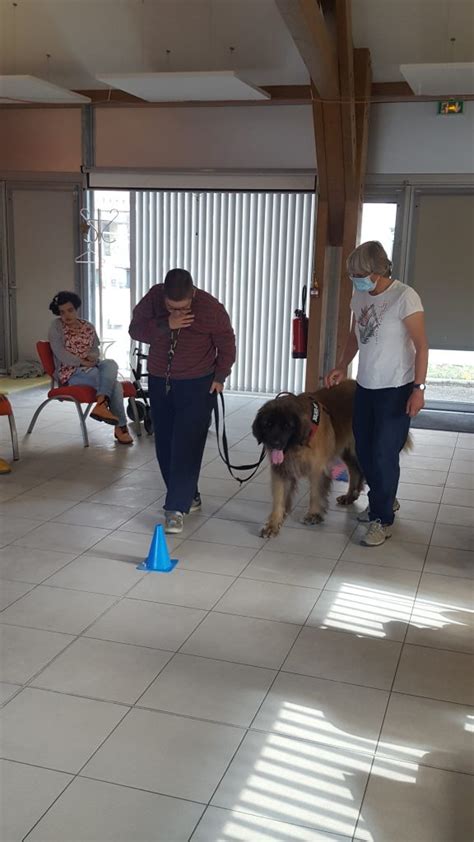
(181,423)
(381,426)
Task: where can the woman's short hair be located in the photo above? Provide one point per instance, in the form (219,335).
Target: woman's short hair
(64,297)
(178,285)
(369,258)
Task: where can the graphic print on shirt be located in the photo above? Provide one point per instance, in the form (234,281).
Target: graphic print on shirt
(369,322)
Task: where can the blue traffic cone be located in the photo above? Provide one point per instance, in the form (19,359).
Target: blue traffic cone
(158,560)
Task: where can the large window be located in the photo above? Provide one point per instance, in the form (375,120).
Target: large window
(253,251)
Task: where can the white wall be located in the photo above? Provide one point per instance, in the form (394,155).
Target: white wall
(43,230)
(411,137)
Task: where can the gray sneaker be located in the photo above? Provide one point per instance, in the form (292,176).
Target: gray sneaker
(376,534)
(364,516)
(173,523)
(196,504)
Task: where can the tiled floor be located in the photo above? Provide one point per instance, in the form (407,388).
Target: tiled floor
(302,689)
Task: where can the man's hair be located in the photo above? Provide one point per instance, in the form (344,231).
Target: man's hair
(64,297)
(178,285)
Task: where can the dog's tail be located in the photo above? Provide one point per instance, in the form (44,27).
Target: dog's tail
(409,444)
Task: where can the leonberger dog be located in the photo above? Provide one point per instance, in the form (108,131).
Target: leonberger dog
(304,435)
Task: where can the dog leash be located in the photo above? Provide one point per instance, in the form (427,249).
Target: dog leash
(224,451)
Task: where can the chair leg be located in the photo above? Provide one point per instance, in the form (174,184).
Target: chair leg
(136,418)
(35,416)
(14,435)
(82,420)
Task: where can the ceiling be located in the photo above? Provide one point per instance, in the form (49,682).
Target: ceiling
(88,37)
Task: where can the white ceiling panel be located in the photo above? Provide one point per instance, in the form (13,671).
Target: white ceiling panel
(443,79)
(217,85)
(31,89)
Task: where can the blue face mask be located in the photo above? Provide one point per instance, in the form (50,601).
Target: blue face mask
(363,284)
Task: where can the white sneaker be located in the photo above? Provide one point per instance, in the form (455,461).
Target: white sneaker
(173,523)
(364,516)
(196,505)
(376,534)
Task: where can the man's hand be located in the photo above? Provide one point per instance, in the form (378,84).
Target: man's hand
(416,401)
(216,387)
(177,321)
(336,376)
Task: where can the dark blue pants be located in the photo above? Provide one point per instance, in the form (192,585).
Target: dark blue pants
(180,422)
(381,427)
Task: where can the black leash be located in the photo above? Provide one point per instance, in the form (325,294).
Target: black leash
(224,452)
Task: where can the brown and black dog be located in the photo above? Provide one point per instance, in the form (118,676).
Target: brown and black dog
(303,435)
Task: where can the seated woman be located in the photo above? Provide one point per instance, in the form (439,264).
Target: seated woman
(75,346)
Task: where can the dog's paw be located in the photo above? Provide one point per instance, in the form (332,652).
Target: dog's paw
(312,518)
(270,530)
(347,499)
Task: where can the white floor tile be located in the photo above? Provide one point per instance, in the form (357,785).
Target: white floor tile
(436,732)
(450,562)
(374,580)
(109,813)
(147,624)
(10,592)
(244,640)
(62,537)
(168,754)
(295,781)
(367,612)
(97,575)
(426,805)
(127,546)
(415,492)
(458,497)
(453,537)
(209,689)
(214,558)
(219,825)
(309,541)
(456,515)
(103,515)
(26,794)
(12,528)
(26,651)
(101,669)
(268,600)
(7,691)
(183,587)
(436,674)
(31,565)
(393,553)
(38,507)
(57,609)
(53,730)
(306,571)
(220,531)
(342,656)
(338,715)
(461,481)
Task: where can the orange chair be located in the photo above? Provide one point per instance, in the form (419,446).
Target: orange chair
(77,395)
(6,409)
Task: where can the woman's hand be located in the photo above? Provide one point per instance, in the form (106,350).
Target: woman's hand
(415,402)
(216,387)
(177,321)
(336,376)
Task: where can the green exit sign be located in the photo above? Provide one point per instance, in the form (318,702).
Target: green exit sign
(450,106)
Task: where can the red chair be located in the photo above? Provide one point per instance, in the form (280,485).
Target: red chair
(7,411)
(77,395)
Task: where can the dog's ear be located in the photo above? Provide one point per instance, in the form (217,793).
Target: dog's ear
(302,429)
(257,426)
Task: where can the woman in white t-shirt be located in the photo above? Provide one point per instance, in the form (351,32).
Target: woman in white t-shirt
(388,330)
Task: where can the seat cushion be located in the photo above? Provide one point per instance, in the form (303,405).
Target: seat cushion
(6,407)
(129,390)
(83,394)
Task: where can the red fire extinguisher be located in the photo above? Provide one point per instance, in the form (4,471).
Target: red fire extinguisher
(300,331)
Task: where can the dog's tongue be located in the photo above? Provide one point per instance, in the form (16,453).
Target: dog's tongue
(277,457)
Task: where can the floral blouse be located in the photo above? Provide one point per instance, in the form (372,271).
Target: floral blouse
(78,343)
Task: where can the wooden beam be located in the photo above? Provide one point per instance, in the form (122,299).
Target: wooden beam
(316,293)
(343,22)
(305,21)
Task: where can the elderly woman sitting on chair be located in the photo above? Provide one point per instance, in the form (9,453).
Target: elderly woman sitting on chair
(75,346)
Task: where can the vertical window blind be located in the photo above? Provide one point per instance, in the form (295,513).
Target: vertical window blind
(253,251)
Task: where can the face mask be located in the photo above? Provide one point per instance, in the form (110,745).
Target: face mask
(363,284)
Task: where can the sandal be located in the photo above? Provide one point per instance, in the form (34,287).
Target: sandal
(122,435)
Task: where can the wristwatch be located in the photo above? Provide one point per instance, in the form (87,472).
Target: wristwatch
(420,386)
